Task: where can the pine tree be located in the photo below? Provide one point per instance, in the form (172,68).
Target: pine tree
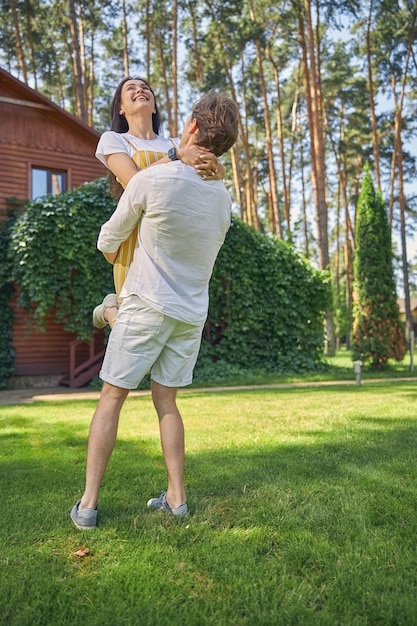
(378,334)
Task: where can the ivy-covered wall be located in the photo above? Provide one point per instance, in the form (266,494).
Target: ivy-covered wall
(54,257)
(266,302)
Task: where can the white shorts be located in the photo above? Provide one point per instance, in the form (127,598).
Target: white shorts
(144,339)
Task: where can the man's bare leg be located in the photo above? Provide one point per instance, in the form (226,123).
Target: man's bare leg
(172,441)
(101,440)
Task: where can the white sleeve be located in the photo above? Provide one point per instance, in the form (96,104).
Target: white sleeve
(127,214)
(111,142)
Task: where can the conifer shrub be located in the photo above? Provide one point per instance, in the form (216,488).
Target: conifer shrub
(378,334)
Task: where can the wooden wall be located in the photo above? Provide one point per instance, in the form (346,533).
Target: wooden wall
(41,353)
(37,133)
(45,148)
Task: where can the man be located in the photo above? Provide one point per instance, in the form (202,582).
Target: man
(184,221)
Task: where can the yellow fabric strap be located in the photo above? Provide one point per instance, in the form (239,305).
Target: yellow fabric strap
(141,158)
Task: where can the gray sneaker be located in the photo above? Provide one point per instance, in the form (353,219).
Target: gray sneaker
(84,519)
(161,503)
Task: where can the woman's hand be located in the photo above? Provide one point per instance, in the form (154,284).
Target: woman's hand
(208,171)
(205,163)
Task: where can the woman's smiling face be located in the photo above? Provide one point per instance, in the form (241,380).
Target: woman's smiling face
(136,94)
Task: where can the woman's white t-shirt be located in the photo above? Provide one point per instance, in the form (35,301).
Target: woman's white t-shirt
(112,142)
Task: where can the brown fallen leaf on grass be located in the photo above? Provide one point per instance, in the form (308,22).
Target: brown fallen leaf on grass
(83,551)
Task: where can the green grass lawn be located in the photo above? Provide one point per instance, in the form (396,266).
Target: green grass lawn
(338,367)
(303,511)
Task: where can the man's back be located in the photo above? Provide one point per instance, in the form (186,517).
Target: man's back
(183,227)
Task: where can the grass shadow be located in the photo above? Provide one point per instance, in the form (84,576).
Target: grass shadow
(314,525)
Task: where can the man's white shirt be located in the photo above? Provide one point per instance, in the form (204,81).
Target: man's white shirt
(184,221)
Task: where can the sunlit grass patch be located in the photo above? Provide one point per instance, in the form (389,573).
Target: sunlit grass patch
(302,501)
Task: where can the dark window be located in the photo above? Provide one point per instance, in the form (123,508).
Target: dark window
(47,182)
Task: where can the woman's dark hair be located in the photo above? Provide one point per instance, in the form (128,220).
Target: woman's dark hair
(119,125)
(118,122)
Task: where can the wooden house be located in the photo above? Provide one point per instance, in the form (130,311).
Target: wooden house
(43,149)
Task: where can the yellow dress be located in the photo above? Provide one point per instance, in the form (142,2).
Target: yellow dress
(141,158)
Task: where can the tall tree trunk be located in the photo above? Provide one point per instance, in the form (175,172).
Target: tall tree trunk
(341,165)
(174,61)
(303,202)
(237,178)
(280,134)
(250,209)
(124,36)
(356,187)
(91,82)
(197,65)
(269,148)
(349,247)
(83,60)
(165,81)
(31,44)
(294,132)
(399,158)
(250,205)
(19,45)
(392,185)
(337,264)
(375,139)
(276,218)
(317,141)
(76,63)
(349,280)
(148,40)
(401,197)
(348,230)
(313,95)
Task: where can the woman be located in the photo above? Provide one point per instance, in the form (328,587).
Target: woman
(134,143)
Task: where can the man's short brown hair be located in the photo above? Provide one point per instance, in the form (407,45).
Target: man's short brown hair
(217,116)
